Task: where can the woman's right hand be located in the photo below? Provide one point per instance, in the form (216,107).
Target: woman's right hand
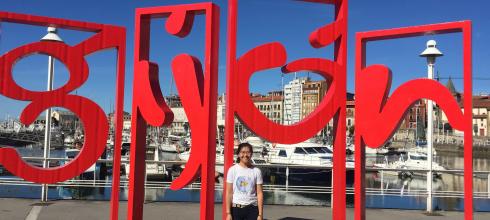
(228,217)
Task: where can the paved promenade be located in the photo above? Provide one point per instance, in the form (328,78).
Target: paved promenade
(13,209)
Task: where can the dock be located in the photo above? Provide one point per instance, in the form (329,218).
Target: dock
(24,138)
(30,209)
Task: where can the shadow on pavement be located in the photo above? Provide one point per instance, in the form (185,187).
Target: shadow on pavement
(293,218)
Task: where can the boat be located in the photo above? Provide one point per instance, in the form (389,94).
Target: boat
(68,140)
(125,142)
(423,150)
(307,163)
(417,160)
(408,168)
(91,173)
(257,158)
(173,144)
(258,144)
(168,147)
(373,151)
(391,183)
(259,148)
(350,148)
(110,140)
(154,171)
(305,153)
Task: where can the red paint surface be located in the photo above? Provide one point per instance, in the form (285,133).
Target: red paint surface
(92,116)
(378,116)
(273,55)
(197,87)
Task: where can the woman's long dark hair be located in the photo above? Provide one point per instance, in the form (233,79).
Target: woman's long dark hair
(242,145)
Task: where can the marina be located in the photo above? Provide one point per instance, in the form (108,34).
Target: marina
(297,174)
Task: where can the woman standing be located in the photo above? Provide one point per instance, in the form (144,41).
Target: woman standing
(244,196)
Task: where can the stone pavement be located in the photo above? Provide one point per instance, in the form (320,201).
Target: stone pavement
(28,209)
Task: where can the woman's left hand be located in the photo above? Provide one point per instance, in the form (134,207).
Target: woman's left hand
(259,217)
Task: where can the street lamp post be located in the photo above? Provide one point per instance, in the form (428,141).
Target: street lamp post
(431,52)
(416,124)
(50,36)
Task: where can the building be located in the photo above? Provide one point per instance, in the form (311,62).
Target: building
(293,92)
(126,120)
(221,111)
(415,116)
(173,101)
(14,125)
(271,105)
(311,96)
(481,119)
(38,125)
(481,107)
(67,120)
(180,124)
(350,110)
(452,89)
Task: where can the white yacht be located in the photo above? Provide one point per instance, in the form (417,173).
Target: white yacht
(307,163)
(168,147)
(257,143)
(423,150)
(414,161)
(69,140)
(154,171)
(417,160)
(391,183)
(374,151)
(305,153)
(220,158)
(173,144)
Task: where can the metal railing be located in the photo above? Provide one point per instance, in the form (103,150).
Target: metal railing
(383,189)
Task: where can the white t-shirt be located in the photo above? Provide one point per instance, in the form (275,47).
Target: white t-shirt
(244,182)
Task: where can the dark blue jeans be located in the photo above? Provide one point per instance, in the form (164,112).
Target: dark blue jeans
(250,212)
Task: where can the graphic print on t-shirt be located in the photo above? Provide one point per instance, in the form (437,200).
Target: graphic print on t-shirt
(244,184)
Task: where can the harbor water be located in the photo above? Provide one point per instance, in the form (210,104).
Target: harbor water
(392,191)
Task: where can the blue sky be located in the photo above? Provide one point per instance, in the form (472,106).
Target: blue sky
(260,21)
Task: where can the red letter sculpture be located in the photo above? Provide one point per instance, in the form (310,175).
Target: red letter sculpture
(273,55)
(93,117)
(378,116)
(198,93)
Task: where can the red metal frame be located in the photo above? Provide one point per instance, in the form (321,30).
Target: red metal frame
(198,90)
(198,93)
(93,117)
(273,55)
(378,116)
